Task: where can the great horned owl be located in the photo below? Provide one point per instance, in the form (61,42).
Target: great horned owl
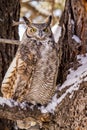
(32,75)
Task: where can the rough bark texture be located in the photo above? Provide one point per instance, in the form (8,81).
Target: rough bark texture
(9,10)
(71,114)
(73,22)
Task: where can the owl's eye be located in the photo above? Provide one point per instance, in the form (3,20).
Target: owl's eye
(33,30)
(45,30)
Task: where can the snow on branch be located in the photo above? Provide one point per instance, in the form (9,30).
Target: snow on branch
(77,76)
(10,109)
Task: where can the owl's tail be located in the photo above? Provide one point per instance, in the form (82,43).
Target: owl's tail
(7,87)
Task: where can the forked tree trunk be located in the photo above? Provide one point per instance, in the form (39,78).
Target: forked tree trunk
(71,113)
(9,10)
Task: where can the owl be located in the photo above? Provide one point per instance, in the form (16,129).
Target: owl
(32,74)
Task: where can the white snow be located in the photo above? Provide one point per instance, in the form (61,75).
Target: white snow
(51,106)
(11,103)
(21,29)
(76,76)
(56,29)
(57,12)
(23,105)
(76,38)
(5,101)
(73,80)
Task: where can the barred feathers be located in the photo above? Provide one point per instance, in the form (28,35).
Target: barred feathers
(8,83)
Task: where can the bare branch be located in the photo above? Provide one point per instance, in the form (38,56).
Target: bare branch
(8,41)
(17,23)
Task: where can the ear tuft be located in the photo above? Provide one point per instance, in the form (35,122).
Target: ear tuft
(26,20)
(49,19)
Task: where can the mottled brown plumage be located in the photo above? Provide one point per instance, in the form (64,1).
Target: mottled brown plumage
(32,75)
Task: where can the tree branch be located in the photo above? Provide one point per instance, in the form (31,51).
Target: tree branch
(17,23)
(8,41)
(10,109)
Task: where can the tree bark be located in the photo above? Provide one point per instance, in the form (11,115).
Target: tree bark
(9,11)
(73,22)
(8,41)
(71,114)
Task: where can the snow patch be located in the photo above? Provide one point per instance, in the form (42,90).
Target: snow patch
(76,38)
(23,105)
(56,29)
(76,76)
(11,103)
(51,106)
(21,29)
(57,12)
(5,101)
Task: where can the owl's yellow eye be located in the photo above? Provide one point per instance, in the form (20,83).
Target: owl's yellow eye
(33,30)
(45,30)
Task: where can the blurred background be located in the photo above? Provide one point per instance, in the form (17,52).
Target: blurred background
(38,10)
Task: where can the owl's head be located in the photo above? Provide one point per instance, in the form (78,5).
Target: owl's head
(38,31)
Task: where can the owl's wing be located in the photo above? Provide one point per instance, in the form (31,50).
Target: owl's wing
(7,88)
(25,69)
(18,78)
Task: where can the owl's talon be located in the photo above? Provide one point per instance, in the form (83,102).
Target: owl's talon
(44,118)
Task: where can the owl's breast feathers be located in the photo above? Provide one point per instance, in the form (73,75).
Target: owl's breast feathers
(32,75)
(45,75)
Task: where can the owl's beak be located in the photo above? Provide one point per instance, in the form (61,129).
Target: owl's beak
(40,35)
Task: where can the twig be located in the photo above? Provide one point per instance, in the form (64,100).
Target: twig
(8,41)
(17,23)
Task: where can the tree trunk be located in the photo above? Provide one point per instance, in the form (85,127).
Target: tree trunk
(73,23)
(9,10)
(71,113)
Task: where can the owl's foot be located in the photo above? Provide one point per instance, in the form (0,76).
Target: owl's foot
(44,117)
(26,123)
(30,122)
